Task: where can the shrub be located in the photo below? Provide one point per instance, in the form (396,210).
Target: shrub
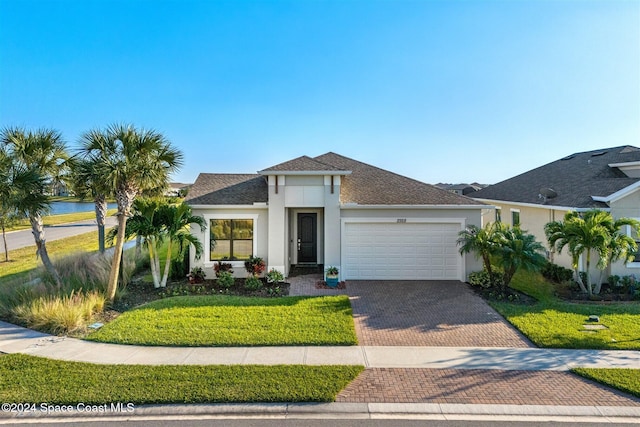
(252,283)
(221,267)
(225,279)
(274,276)
(60,314)
(556,273)
(179,266)
(483,280)
(255,265)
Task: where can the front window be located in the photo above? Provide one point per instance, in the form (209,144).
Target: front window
(231,239)
(515,218)
(498,215)
(636,237)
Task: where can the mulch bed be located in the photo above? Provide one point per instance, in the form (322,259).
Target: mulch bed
(511,295)
(321,284)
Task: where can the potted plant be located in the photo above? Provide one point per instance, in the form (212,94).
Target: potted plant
(255,266)
(331,277)
(196,275)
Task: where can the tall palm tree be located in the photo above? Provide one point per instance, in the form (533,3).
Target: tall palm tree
(131,161)
(588,234)
(88,185)
(42,153)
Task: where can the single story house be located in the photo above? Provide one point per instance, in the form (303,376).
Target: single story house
(607,179)
(334,211)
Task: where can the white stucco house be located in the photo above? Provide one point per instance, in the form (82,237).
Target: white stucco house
(334,211)
(607,179)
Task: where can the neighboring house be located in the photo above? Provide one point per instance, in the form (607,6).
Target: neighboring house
(461,189)
(607,179)
(334,211)
(177,189)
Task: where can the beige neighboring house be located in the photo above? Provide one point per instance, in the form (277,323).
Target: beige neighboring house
(607,179)
(334,211)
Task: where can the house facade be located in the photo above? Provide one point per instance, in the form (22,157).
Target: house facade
(607,179)
(334,211)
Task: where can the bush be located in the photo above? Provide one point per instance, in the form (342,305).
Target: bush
(274,276)
(179,266)
(253,283)
(225,279)
(255,265)
(482,279)
(556,273)
(221,267)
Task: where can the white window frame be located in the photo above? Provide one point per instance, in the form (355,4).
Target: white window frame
(628,232)
(207,236)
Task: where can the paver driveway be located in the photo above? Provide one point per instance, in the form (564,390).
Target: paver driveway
(413,313)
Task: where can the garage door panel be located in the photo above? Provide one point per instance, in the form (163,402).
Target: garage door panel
(408,251)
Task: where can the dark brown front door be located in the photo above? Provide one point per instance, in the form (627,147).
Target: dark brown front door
(307,238)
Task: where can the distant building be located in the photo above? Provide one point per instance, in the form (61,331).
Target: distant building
(461,189)
(177,189)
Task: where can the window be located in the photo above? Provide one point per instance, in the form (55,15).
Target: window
(515,218)
(498,215)
(230,239)
(636,237)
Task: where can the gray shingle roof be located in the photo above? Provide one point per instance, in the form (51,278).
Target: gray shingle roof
(575,178)
(369,185)
(228,189)
(301,164)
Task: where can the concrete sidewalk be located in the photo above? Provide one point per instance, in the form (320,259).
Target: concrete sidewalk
(15,339)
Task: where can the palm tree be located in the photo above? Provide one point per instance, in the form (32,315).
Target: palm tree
(130,161)
(87,185)
(41,154)
(593,232)
(482,241)
(518,249)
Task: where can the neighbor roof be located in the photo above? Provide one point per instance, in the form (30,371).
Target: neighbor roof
(574,178)
(228,189)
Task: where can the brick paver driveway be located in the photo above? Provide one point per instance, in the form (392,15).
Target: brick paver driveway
(430,313)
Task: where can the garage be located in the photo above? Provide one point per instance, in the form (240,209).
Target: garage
(401,250)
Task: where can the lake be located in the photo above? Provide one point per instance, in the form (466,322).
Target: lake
(58,208)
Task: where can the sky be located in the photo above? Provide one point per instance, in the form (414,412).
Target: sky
(440,91)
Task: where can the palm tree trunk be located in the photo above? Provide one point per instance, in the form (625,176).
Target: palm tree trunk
(154,263)
(6,248)
(167,266)
(101,215)
(589,290)
(112,285)
(37,228)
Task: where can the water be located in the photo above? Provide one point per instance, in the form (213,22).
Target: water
(58,208)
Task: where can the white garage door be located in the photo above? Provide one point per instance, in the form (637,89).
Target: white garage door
(401,251)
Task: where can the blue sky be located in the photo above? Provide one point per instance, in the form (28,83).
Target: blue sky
(441,91)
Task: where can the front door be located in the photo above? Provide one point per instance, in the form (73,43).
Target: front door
(307,238)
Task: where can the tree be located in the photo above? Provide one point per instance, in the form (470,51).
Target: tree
(517,249)
(588,234)
(41,157)
(157,221)
(483,241)
(88,185)
(130,161)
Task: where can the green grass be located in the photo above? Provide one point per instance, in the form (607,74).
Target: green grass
(557,324)
(219,320)
(60,219)
(29,379)
(627,380)
(23,260)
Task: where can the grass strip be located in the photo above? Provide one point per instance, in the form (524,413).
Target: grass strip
(221,320)
(30,379)
(60,219)
(627,380)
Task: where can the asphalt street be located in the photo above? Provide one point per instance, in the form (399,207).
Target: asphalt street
(24,238)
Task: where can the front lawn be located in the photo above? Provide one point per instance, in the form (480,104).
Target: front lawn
(29,379)
(627,380)
(558,324)
(221,320)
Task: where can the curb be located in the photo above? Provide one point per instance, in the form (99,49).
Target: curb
(442,411)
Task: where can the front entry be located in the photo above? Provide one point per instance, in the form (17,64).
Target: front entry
(307,238)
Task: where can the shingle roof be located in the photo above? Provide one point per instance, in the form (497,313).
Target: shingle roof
(575,178)
(301,164)
(369,185)
(228,189)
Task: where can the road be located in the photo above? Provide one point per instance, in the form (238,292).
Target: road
(23,238)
